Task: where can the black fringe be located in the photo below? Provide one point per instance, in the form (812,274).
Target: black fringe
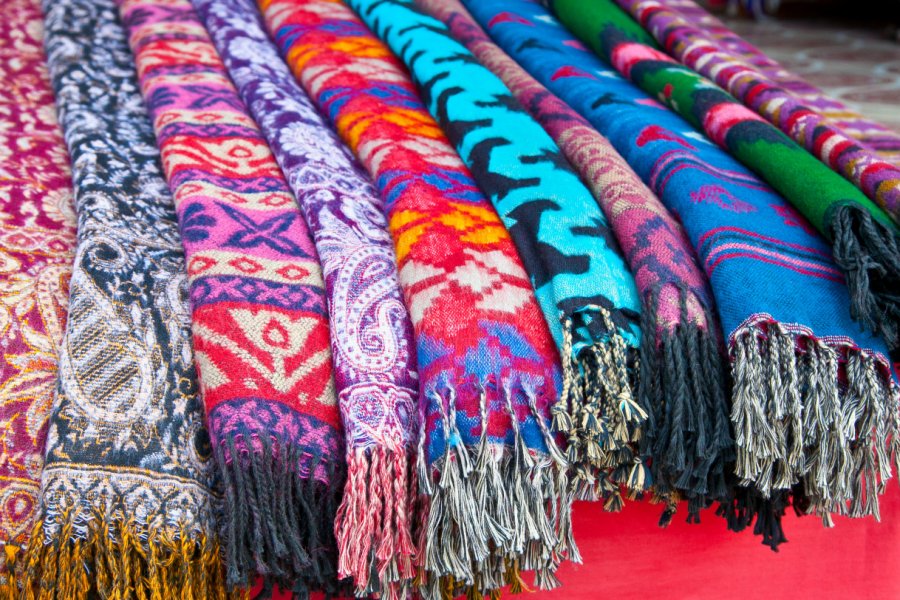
(869,255)
(746,506)
(279,523)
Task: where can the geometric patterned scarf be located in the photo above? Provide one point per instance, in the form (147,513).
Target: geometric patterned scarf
(872,135)
(488,368)
(37,245)
(127,500)
(678,316)
(813,403)
(692,46)
(371,331)
(586,292)
(260,328)
(866,243)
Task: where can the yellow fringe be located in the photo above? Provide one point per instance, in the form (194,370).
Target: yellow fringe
(113,562)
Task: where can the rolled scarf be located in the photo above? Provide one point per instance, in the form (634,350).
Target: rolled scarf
(681,364)
(814,408)
(588,296)
(693,47)
(876,137)
(371,330)
(864,240)
(494,486)
(37,245)
(260,327)
(127,500)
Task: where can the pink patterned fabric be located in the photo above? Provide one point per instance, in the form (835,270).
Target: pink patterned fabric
(37,241)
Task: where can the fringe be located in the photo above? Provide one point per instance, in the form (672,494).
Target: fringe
(744,506)
(117,558)
(684,389)
(600,416)
(11,571)
(869,255)
(373,523)
(818,413)
(279,516)
(495,511)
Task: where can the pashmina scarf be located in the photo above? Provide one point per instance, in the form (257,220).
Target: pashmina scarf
(374,353)
(37,245)
(879,139)
(127,501)
(813,405)
(259,316)
(588,296)
(864,240)
(880,180)
(680,357)
(494,485)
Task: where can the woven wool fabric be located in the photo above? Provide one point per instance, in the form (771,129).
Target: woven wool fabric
(677,302)
(813,404)
(693,47)
(259,309)
(864,240)
(127,501)
(587,294)
(875,136)
(485,353)
(374,353)
(37,244)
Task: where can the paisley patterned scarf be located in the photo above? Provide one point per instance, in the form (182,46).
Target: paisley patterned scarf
(688,453)
(127,502)
(872,135)
(260,328)
(880,180)
(865,242)
(493,484)
(813,406)
(374,353)
(37,244)
(588,296)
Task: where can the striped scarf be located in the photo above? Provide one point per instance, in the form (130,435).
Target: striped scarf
(687,453)
(259,307)
(127,500)
(487,363)
(374,355)
(813,406)
(37,244)
(865,242)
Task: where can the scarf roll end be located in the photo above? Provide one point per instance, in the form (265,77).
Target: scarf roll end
(280,506)
(373,525)
(868,253)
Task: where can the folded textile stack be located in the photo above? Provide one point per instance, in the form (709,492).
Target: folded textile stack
(366,293)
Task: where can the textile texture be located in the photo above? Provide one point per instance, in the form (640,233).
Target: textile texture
(127,500)
(693,47)
(875,136)
(371,331)
(37,245)
(677,309)
(488,367)
(588,296)
(864,239)
(260,327)
(813,402)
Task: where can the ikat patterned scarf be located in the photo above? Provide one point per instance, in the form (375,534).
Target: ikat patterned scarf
(587,294)
(259,307)
(681,361)
(814,409)
(864,240)
(879,179)
(494,485)
(37,246)
(372,343)
(127,500)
